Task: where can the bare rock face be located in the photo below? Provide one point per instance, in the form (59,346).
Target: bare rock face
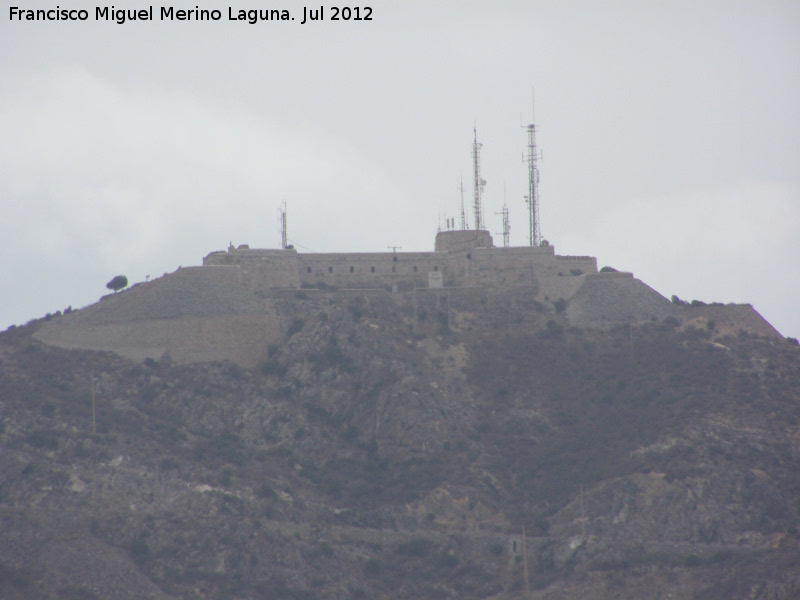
(398,446)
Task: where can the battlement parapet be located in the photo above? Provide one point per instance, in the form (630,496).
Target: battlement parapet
(537,252)
(574,258)
(244,253)
(462,240)
(611,275)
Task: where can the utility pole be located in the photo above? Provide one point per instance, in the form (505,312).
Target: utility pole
(583,516)
(94,420)
(525,562)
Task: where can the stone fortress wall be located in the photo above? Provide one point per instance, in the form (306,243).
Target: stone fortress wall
(463,258)
(260,269)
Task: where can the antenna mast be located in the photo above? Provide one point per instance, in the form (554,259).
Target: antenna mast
(506,225)
(506,220)
(532,199)
(463,214)
(284,241)
(478,182)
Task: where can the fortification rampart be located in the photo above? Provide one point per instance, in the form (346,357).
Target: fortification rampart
(261,269)
(407,270)
(461,259)
(573,265)
(507,266)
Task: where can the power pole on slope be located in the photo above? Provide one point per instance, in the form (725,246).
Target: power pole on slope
(525,562)
(94,420)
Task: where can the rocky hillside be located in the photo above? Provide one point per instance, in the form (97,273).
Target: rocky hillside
(390,449)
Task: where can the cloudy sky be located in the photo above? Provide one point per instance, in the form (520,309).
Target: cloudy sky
(670,134)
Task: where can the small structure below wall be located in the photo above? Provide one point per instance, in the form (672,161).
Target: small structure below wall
(435,280)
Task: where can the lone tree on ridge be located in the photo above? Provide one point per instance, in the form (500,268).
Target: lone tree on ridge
(116,284)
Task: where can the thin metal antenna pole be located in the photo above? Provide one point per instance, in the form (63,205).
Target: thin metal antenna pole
(506,227)
(463,214)
(506,220)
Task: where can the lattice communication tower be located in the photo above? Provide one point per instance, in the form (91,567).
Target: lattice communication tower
(478,183)
(532,199)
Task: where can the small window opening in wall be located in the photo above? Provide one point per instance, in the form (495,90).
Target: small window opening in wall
(308,269)
(469,256)
(351,269)
(330,269)
(394,268)
(372,269)
(415,268)
(436,268)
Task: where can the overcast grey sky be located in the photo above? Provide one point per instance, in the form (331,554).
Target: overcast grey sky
(670,133)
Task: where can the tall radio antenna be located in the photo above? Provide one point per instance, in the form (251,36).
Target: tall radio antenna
(532,199)
(284,240)
(506,220)
(478,183)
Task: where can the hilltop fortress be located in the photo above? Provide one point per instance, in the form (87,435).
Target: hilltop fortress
(243,300)
(464,258)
